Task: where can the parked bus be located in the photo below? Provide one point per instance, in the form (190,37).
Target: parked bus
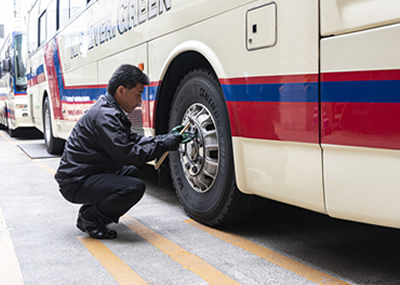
(14,113)
(296,101)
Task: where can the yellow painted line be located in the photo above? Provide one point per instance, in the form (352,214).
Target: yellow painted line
(10,271)
(271,256)
(44,166)
(121,272)
(7,138)
(177,253)
(38,162)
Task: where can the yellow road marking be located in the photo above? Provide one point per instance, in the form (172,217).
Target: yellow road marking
(177,253)
(44,166)
(271,256)
(38,162)
(7,139)
(121,272)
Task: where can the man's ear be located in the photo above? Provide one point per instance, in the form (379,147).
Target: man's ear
(120,90)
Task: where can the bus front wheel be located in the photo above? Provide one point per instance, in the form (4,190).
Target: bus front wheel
(202,170)
(53,145)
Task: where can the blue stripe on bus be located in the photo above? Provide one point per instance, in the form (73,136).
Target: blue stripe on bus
(151,94)
(39,71)
(345,91)
(69,95)
(387,91)
(281,92)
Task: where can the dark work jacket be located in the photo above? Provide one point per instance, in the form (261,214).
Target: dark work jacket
(102,142)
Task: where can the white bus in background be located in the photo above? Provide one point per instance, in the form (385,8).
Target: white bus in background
(14,112)
(292,100)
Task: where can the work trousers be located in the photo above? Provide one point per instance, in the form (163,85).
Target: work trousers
(106,196)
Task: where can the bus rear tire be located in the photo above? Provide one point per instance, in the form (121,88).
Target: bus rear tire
(53,145)
(202,171)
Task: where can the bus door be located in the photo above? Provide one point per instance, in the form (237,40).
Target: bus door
(275,113)
(360,83)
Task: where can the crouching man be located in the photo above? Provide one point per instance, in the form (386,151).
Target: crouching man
(97,168)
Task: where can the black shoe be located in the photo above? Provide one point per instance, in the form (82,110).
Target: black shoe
(95,229)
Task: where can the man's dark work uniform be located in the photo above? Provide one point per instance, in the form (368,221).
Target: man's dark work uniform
(97,166)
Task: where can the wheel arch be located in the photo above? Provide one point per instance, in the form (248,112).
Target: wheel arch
(183,59)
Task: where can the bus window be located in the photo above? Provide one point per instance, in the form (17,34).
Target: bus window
(42,28)
(47,20)
(20,59)
(43,5)
(52,18)
(69,9)
(76,6)
(64,13)
(33,29)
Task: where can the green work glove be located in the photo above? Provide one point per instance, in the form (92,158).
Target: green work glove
(188,137)
(176,130)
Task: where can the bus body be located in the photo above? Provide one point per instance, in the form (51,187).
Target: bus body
(295,101)
(14,112)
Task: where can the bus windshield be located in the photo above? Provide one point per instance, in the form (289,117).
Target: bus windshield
(20,60)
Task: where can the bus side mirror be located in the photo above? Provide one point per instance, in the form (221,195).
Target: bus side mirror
(7,65)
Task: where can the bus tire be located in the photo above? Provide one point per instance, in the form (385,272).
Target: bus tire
(202,171)
(53,145)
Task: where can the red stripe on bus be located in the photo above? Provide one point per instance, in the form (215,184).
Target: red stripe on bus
(81,87)
(155,84)
(352,124)
(298,122)
(367,75)
(37,80)
(52,80)
(362,124)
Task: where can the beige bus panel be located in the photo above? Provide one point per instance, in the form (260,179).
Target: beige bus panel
(361,184)
(273,174)
(343,16)
(296,50)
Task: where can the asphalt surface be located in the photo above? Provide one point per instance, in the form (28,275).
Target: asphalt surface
(159,244)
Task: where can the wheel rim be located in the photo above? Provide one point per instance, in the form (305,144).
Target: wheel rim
(47,131)
(200,157)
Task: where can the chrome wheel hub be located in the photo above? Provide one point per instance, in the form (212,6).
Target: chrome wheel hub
(200,157)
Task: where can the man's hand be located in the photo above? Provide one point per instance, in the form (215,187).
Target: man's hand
(187,136)
(176,130)
(172,141)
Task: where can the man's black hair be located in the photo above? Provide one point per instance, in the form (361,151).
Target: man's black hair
(128,76)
